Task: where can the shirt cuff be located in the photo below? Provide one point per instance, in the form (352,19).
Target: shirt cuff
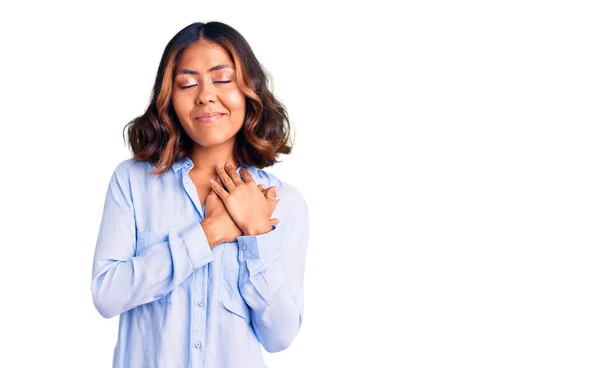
(263,246)
(197,245)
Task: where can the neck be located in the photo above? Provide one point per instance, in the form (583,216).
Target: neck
(206,159)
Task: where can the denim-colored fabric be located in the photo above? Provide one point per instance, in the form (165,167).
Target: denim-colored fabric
(182,304)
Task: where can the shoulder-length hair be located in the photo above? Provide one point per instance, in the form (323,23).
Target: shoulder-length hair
(158,137)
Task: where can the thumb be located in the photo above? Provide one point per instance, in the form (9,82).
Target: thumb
(271,194)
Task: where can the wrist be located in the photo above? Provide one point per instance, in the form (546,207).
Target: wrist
(211,231)
(258,230)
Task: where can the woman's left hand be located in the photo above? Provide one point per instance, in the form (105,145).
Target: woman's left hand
(244,200)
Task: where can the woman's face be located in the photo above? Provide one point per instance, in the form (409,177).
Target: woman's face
(205,84)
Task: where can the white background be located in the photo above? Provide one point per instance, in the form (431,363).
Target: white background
(448,151)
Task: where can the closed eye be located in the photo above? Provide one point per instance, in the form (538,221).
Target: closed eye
(190,86)
(194,85)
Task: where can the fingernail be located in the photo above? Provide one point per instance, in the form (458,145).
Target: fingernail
(211,181)
(277,197)
(276,189)
(218,179)
(218,167)
(227,165)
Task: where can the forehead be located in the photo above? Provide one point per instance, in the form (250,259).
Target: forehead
(202,55)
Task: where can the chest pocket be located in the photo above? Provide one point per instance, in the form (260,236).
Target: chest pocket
(229,293)
(146,240)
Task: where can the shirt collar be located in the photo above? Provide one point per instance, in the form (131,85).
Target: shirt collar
(181,163)
(178,165)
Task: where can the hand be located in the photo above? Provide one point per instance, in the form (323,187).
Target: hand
(249,208)
(218,225)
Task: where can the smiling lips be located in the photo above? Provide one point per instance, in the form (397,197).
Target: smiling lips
(208,117)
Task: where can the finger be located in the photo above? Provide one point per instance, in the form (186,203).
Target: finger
(225,179)
(271,192)
(271,195)
(219,181)
(233,174)
(261,187)
(246,175)
(221,192)
(274,221)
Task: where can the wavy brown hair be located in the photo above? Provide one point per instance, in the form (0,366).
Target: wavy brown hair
(158,137)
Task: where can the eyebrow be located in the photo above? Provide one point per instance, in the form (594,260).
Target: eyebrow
(214,68)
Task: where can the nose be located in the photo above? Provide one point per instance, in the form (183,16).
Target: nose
(206,94)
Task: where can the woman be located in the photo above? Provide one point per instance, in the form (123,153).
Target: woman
(187,253)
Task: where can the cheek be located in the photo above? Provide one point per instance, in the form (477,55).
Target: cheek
(179,104)
(235,102)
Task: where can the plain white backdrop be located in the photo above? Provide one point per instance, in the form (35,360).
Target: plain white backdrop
(448,152)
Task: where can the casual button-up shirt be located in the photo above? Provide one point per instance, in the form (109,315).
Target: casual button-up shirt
(181,303)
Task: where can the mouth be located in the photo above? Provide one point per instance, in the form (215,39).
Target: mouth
(208,118)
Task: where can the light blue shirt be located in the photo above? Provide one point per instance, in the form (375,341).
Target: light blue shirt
(181,303)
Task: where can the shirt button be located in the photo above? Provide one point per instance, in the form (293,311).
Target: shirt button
(197,345)
(201,303)
(244,247)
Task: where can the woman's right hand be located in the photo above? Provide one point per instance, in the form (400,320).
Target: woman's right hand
(218,225)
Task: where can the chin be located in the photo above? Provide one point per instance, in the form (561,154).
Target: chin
(212,142)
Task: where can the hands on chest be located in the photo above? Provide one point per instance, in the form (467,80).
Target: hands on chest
(237,206)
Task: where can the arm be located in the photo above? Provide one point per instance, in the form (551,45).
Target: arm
(271,277)
(121,281)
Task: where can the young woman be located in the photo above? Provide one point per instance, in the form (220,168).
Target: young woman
(201,259)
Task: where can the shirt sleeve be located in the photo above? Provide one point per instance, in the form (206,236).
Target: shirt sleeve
(120,280)
(272,275)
